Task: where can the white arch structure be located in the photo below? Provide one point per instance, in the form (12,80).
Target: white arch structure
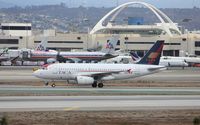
(166,22)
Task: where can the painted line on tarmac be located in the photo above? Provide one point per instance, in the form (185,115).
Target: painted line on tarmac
(71,108)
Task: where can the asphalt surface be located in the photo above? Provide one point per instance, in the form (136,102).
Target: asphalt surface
(44,90)
(97,103)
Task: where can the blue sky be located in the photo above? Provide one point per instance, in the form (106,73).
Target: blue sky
(107,3)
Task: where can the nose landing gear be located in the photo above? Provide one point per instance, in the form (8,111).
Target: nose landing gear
(52,85)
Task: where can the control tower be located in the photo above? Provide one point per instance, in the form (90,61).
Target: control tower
(165,26)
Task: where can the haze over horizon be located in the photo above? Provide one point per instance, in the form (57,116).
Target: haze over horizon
(101,3)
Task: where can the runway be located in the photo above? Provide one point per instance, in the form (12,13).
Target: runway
(97,103)
(44,90)
(178,75)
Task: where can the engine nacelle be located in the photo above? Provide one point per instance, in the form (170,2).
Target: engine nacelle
(51,60)
(84,80)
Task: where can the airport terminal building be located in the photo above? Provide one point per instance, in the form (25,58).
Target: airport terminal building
(133,35)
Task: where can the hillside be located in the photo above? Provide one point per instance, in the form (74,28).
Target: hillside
(66,19)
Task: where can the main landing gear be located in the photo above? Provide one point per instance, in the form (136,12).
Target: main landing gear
(95,84)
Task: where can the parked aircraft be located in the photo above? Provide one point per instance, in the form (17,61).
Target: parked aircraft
(6,55)
(49,56)
(191,61)
(163,61)
(96,74)
(122,58)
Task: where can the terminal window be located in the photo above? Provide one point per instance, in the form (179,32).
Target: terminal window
(16,27)
(65,41)
(197,43)
(9,41)
(197,52)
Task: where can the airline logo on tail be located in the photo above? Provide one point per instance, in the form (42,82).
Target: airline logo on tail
(109,45)
(152,56)
(40,48)
(134,56)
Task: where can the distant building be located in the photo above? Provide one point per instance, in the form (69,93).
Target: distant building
(137,36)
(16,29)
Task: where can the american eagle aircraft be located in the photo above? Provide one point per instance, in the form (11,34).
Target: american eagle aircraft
(96,74)
(51,56)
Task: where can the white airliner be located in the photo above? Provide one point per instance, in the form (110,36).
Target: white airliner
(191,61)
(96,74)
(125,59)
(168,62)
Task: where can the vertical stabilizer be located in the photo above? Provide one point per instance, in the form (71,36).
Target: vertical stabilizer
(153,55)
(42,46)
(111,45)
(135,56)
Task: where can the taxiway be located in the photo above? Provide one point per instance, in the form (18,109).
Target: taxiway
(79,90)
(97,103)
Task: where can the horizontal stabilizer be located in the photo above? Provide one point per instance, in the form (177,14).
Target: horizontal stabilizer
(157,68)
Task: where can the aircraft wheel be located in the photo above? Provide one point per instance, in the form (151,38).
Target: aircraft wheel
(94,85)
(53,85)
(46,83)
(100,85)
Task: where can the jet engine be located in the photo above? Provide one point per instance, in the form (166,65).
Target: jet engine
(51,60)
(84,80)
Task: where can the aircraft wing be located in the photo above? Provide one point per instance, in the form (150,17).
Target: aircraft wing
(13,60)
(102,74)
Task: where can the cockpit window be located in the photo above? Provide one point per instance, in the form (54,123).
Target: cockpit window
(45,67)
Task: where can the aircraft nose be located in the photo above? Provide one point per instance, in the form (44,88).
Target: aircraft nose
(37,73)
